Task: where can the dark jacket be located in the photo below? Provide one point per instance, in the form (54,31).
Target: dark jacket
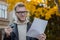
(15,36)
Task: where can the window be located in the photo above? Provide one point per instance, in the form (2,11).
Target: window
(3,11)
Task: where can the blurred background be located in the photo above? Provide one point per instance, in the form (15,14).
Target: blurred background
(43,9)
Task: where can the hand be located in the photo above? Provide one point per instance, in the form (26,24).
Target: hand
(41,37)
(8,30)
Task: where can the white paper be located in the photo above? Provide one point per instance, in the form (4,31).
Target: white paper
(38,27)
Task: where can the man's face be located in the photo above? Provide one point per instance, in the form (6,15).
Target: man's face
(21,13)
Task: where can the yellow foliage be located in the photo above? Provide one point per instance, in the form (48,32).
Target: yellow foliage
(37,1)
(31,6)
(12,3)
(50,12)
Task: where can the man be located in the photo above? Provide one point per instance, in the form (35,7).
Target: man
(17,31)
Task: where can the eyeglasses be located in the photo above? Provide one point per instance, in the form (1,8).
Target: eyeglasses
(22,12)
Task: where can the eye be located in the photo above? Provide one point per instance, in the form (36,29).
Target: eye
(22,12)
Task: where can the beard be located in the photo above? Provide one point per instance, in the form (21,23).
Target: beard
(21,20)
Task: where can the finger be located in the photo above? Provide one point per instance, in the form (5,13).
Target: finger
(42,36)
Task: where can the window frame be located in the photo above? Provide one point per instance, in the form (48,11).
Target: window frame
(4,6)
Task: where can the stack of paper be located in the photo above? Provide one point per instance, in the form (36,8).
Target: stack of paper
(38,27)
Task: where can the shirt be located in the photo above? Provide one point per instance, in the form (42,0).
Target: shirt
(22,28)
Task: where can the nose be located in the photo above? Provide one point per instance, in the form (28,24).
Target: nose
(22,14)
